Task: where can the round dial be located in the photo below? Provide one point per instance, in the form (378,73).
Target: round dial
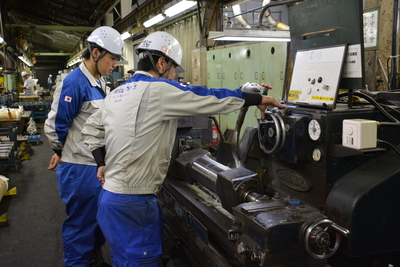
(317,154)
(314,130)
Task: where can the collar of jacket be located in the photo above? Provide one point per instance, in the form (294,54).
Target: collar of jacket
(143,72)
(91,79)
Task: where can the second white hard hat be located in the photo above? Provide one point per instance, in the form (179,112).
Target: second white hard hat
(165,44)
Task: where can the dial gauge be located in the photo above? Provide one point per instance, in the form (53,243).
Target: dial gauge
(314,130)
(317,154)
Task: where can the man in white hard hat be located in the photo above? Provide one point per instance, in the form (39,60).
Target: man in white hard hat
(58,78)
(49,82)
(138,122)
(29,84)
(75,99)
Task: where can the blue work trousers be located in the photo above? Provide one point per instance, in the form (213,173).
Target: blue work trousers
(79,190)
(133,226)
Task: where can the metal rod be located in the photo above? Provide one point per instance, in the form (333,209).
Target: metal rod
(205,171)
(393,82)
(383,70)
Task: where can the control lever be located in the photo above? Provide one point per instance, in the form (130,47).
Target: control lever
(234,140)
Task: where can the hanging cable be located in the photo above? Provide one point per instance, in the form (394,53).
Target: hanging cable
(373,102)
(389,144)
(4,47)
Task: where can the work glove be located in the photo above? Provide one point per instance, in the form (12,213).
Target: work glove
(250,87)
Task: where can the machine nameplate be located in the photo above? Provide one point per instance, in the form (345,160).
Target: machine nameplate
(293,180)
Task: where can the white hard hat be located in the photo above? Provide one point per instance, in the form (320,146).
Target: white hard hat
(50,75)
(24,73)
(107,38)
(164,44)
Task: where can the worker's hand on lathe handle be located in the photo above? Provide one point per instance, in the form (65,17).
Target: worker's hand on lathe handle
(251,87)
(266,102)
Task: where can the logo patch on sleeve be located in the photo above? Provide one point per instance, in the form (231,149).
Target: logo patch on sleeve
(68,99)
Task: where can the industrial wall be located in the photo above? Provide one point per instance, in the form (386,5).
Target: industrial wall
(377,59)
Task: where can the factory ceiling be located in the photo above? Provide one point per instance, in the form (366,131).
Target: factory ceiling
(50,30)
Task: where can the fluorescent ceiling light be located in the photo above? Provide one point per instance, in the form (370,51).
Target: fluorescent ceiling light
(74,61)
(251,39)
(27,62)
(125,35)
(153,20)
(250,35)
(179,7)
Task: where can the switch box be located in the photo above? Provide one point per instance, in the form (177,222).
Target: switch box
(359,133)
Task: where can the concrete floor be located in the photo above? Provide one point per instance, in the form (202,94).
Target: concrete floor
(35,214)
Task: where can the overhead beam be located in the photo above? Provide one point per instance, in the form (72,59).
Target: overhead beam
(60,19)
(52,54)
(35,20)
(52,27)
(49,61)
(73,15)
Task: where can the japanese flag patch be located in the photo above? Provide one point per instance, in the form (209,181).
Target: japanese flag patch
(68,99)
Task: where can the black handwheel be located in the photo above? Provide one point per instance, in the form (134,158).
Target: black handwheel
(317,239)
(271,132)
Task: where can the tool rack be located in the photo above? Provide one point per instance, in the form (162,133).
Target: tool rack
(9,147)
(39,110)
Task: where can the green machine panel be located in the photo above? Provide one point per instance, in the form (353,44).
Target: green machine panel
(230,68)
(273,67)
(230,79)
(258,62)
(249,63)
(214,69)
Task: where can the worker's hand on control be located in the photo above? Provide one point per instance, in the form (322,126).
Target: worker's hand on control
(100,174)
(55,159)
(251,87)
(266,102)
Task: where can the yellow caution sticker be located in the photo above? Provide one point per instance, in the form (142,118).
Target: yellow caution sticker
(294,94)
(322,98)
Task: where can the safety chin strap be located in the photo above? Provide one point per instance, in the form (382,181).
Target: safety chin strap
(96,59)
(150,56)
(95,62)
